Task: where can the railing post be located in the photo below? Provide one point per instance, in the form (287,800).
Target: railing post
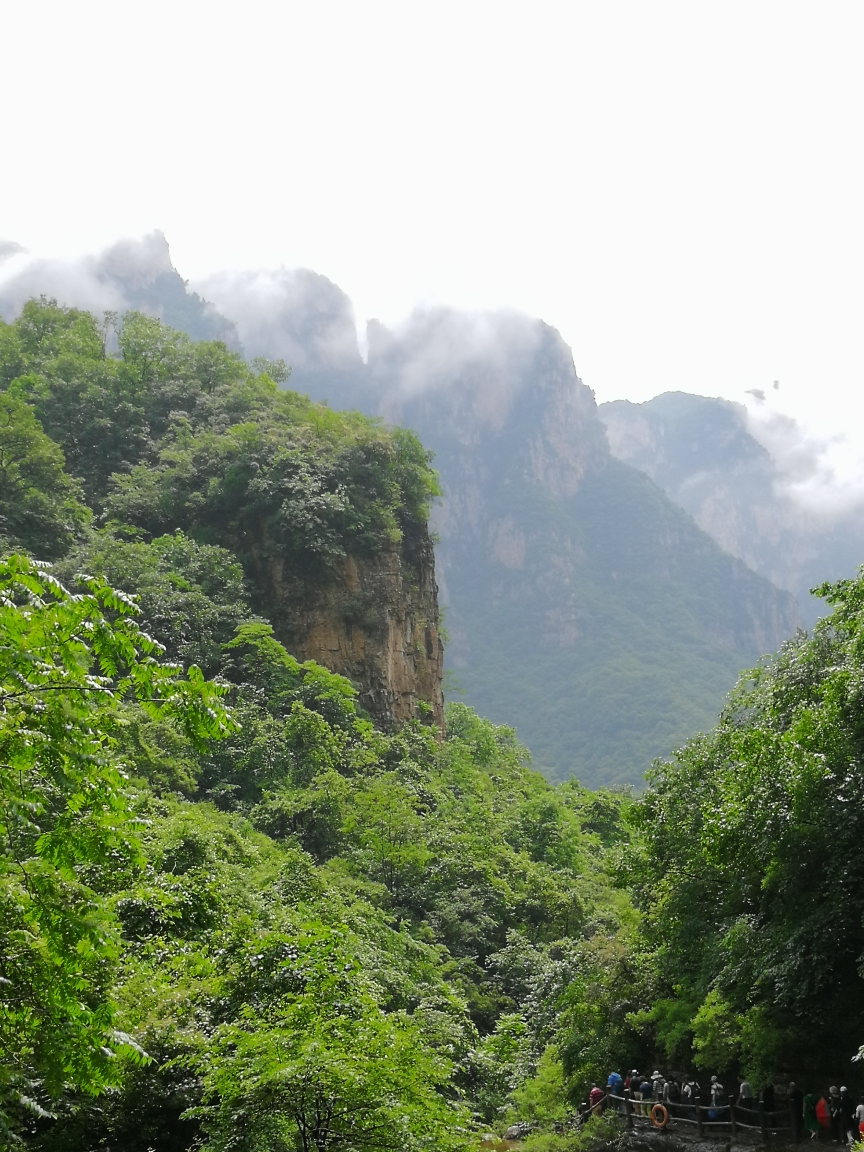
(732,1115)
(762,1122)
(628,1107)
(698,1100)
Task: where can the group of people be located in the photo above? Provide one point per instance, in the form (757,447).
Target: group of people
(646,1091)
(836,1115)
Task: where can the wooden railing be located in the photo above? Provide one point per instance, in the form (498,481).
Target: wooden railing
(721,1120)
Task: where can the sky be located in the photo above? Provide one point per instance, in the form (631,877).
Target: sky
(677,187)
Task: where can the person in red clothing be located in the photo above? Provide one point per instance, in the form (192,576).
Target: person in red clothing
(595,1100)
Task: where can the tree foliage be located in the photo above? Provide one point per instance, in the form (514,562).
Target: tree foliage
(41,509)
(67,663)
(752,868)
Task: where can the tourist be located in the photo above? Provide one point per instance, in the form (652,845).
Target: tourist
(796,1101)
(645,1089)
(657,1084)
(859,1118)
(689,1092)
(745,1099)
(768,1101)
(823,1114)
(835,1113)
(847,1117)
(615,1089)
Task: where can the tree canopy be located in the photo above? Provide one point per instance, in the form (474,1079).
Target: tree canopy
(68,664)
(752,869)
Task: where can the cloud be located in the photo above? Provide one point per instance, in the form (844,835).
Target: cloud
(8,249)
(435,348)
(824,475)
(480,362)
(476,362)
(133,274)
(77,283)
(297,316)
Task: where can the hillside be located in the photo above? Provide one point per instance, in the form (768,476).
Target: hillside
(325,511)
(700,452)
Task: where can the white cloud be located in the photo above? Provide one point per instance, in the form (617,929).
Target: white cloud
(95,283)
(436,348)
(823,475)
(297,315)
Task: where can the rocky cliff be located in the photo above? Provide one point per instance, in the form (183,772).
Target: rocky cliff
(374,619)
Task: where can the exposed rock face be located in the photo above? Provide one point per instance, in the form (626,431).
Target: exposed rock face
(373,619)
(582,604)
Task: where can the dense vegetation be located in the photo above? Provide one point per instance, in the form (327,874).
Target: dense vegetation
(235,914)
(754,861)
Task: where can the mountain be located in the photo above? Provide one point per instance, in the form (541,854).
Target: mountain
(702,454)
(583,605)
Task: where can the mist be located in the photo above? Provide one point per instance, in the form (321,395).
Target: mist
(821,475)
(295,315)
(129,275)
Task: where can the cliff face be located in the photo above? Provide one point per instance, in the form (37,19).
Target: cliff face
(373,619)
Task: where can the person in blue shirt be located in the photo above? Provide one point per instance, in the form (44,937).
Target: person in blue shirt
(615,1087)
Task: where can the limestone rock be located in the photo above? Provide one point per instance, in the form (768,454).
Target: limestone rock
(373,619)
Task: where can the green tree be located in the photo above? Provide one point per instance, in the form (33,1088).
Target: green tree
(66,664)
(751,870)
(321,1066)
(39,506)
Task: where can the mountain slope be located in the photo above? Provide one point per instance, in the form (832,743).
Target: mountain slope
(615,638)
(701,453)
(582,603)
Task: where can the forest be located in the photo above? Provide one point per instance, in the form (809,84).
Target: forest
(236,913)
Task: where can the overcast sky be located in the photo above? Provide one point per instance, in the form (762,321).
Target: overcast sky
(677,187)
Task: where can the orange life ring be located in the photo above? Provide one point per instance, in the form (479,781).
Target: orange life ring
(659,1116)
